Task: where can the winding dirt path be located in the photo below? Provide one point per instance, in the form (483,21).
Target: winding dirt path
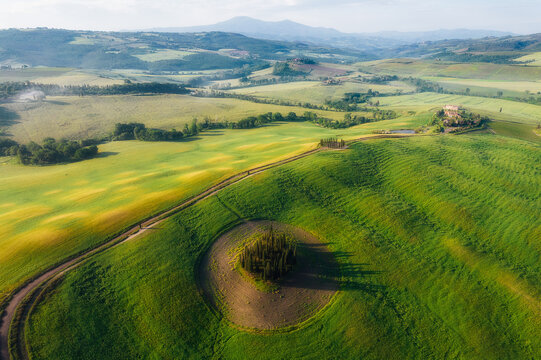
(20,294)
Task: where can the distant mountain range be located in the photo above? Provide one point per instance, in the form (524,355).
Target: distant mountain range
(292,31)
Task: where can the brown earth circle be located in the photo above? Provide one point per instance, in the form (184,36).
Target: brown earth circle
(301,293)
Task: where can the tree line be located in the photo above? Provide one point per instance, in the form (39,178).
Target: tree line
(138,131)
(50,151)
(332,143)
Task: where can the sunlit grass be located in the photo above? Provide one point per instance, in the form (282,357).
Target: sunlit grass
(81,204)
(438,238)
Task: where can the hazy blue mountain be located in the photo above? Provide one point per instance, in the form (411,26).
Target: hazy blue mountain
(289,30)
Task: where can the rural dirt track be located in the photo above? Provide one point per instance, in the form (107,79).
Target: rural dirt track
(57,271)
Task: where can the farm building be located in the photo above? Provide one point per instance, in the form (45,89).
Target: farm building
(451,111)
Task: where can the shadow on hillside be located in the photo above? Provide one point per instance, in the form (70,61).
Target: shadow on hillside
(8,117)
(105,154)
(211,133)
(56,102)
(321,269)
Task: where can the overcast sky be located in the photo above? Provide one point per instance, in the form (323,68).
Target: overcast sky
(520,16)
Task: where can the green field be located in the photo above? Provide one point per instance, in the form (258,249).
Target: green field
(489,87)
(90,116)
(533,59)
(316,93)
(164,54)
(48,213)
(511,110)
(62,76)
(516,130)
(424,68)
(437,237)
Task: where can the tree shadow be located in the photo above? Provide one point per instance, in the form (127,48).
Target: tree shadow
(56,102)
(322,269)
(8,117)
(211,133)
(105,154)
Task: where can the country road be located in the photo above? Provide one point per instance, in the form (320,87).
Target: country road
(135,231)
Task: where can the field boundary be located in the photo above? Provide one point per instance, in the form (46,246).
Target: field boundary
(18,305)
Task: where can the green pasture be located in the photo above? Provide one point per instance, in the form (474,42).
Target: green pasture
(164,54)
(516,130)
(315,92)
(437,237)
(489,87)
(136,75)
(90,116)
(534,59)
(430,68)
(511,110)
(48,213)
(62,76)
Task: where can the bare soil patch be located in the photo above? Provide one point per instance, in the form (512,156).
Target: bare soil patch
(301,293)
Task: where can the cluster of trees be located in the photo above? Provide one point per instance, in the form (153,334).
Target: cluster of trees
(464,120)
(50,151)
(284,69)
(333,143)
(270,257)
(350,101)
(138,131)
(349,120)
(304,60)
(380,79)
(424,85)
(9,89)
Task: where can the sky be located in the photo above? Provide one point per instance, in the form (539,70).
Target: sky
(518,16)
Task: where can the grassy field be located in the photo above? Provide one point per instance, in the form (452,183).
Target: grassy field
(50,212)
(83,117)
(438,240)
(511,110)
(516,130)
(424,68)
(535,59)
(315,92)
(489,87)
(62,76)
(164,54)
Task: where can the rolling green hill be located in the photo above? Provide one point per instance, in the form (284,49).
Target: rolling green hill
(123,50)
(437,238)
